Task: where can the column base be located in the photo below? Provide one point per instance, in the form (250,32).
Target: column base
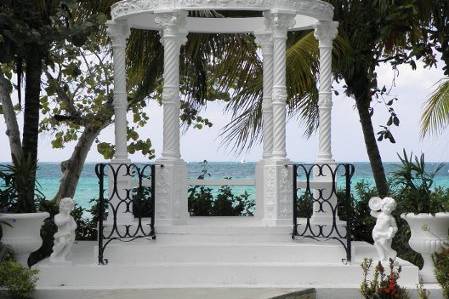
(278,192)
(171,192)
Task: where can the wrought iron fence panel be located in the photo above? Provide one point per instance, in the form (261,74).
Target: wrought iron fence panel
(319,193)
(134,195)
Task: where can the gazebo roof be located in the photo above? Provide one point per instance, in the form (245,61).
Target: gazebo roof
(141,14)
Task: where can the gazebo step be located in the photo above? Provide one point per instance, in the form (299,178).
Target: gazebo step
(232,252)
(171,293)
(174,275)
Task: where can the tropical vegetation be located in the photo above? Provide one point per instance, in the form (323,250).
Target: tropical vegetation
(441,262)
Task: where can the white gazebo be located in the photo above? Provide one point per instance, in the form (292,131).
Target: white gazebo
(218,257)
(170,18)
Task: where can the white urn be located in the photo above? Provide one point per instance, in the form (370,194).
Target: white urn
(429,233)
(23,234)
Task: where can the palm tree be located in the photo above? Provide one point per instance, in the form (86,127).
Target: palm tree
(435,117)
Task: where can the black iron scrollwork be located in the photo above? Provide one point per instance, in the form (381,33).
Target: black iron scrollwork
(132,192)
(319,193)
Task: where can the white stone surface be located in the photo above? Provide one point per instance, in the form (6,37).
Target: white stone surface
(65,235)
(215,293)
(216,253)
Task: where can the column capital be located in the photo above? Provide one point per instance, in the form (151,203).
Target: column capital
(265,41)
(173,26)
(118,32)
(280,24)
(325,32)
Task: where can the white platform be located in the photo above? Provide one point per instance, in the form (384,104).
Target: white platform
(215,253)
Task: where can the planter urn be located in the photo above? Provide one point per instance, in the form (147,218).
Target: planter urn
(23,234)
(429,234)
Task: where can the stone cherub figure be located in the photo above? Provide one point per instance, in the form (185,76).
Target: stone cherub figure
(385,228)
(65,236)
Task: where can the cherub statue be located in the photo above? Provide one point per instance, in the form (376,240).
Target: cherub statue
(65,236)
(385,228)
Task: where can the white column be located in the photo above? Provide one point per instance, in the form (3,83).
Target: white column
(277,177)
(265,42)
(281,23)
(173,37)
(171,186)
(325,32)
(119,33)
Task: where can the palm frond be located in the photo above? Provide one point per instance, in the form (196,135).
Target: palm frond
(435,117)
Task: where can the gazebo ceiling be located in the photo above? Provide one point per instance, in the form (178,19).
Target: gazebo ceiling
(141,14)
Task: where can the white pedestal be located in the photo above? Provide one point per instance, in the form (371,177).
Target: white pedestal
(171,192)
(278,193)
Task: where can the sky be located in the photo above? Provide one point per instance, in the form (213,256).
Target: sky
(411,88)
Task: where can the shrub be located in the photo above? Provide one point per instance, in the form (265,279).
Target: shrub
(226,203)
(382,285)
(17,280)
(414,186)
(441,261)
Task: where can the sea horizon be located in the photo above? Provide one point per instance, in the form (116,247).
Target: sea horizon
(49,174)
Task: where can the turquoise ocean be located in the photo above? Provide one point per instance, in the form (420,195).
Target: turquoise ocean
(49,174)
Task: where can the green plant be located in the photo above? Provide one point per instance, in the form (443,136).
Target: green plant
(225,203)
(17,280)
(14,187)
(415,186)
(441,262)
(382,285)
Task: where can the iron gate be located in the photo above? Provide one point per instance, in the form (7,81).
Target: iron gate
(317,189)
(132,193)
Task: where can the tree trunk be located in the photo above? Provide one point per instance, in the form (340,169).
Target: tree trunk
(71,169)
(371,145)
(31,127)
(12,127)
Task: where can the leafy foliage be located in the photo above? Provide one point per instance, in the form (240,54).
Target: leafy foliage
(19,281)
(382,285)
(415,184)
(203,201)
(441,262)
(436,110)
(12,178)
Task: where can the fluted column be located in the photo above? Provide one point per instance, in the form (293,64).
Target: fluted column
(173,37)
(325,32)
(265,41)
(281,23)
(119,33)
